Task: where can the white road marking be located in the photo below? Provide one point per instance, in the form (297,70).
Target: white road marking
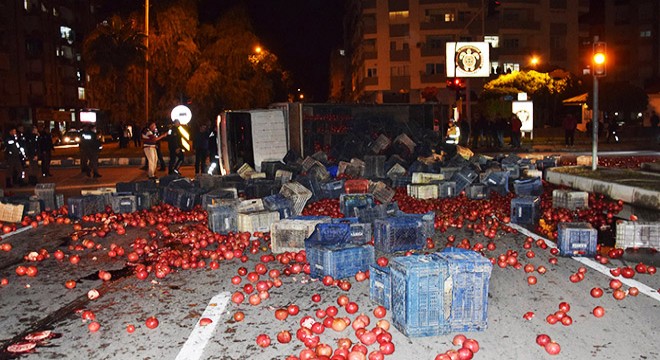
(18,231)
(643,288)
(193,349)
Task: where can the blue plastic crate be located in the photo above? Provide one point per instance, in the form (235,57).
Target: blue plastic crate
(401,233)
(380,285)
(332,189)
(279,203)
(222,219)
(469,273)
(576,239)
(533,186)
(349,202)
(370,214)
(360,232)
(338,262)
(418,295)
(497,178)
(525,210)
(330,235)
(428,222)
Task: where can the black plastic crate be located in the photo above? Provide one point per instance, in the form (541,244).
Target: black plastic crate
(146,200)
(464,178)
(477,191)
(270,168)
(258,188)
(447,189)
(312,184)
(123,203)
(80,206)
(279,203)
(167,179)
(222,218)
(46,193)
(374,166)
(332,189)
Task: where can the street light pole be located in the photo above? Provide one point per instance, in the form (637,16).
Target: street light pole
(146,65)
(594,128)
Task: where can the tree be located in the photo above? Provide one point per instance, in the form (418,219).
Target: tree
(622,97)
(543,88)
(114,57)
(173,54)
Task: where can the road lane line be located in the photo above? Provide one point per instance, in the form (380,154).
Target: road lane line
(193,349)
(20,230)
(643,288)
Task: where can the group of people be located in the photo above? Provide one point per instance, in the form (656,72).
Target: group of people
(204,146)
(27,155)
(485,132)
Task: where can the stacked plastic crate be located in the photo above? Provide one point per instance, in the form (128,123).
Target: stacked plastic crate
(46,193)
(349,202)
(529,187)
(330,252)
(469,274)
(123,203)
(80,206)
(298,194)
(279,203)
(223,216)
(463,178)
(638,234)
(380,285)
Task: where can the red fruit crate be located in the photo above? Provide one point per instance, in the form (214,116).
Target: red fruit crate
(356,186)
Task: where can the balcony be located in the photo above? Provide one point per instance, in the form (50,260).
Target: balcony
(370,55)
(370,81)
(400,82)
(369,29)
(428,51)
(432,78)
(398,30)
(400,55)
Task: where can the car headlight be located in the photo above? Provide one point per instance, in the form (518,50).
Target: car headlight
(77,139)
(67,139)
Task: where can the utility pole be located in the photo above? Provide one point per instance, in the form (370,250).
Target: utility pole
(146,65)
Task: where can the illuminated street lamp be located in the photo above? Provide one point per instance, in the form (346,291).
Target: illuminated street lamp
(534,61)
(598,70)
(257,49)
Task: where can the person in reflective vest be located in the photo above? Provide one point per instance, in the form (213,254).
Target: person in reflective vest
(14,157)
(176,148)
(453,133)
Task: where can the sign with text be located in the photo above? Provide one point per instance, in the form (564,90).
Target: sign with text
(468,59)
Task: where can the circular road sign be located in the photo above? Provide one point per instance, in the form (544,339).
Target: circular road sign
(181,113)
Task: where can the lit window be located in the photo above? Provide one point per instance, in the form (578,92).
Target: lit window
(399,15)
(78,76)
(439,15)
(81,93)
(494,41)
(26,5)
(645,33)
(342,52)
(66,33)
(55,12)
(372,72)
(511,67)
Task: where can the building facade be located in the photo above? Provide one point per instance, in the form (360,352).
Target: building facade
(396,48)
(631,30)
(41,76)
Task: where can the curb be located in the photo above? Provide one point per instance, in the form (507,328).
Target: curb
(123,161)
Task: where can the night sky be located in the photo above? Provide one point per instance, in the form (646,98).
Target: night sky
(302,33)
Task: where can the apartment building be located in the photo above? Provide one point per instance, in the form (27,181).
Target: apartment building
(396,48)
(41,77)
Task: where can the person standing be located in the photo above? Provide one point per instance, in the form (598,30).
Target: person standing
(516,134)
(137,136)
(32,152)
(14,157)
(655,120)
(612,128)
(90,146)
(175,146)
(453,133)
(45,150)
(149,143)
(201,144)
(569,124)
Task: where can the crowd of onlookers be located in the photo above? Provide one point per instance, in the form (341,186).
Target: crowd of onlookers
(27,154)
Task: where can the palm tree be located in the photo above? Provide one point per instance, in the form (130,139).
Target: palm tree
(114,55)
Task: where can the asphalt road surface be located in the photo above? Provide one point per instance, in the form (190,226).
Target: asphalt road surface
(629,329)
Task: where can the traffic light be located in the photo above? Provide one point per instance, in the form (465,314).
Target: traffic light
(493,7)
(599,59)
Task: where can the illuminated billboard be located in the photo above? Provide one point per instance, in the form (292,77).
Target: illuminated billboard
(470,59)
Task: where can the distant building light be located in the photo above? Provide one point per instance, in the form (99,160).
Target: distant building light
(398,15)
(342,52)
(81,93)
(493,40)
